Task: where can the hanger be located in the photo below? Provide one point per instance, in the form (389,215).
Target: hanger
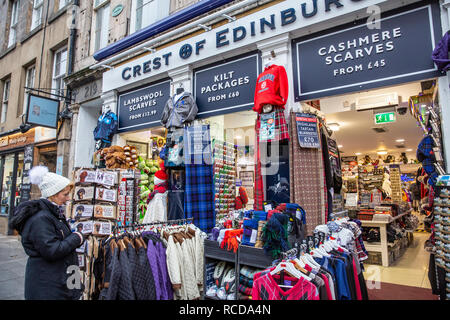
(289,268)
(322,250)
(308,259)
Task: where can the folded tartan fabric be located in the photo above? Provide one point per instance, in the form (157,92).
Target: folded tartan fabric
(293,207)
(259,243)
(250,227)
(271,212)
(247,232)
(245,281)
(245,290)
(248,214)
(260,215)
(248,272)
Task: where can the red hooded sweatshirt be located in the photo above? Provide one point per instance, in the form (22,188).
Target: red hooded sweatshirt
(271,87)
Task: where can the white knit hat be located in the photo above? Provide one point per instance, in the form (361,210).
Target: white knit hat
(48,182)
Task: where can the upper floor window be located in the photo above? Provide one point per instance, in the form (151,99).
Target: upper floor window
(62,3)
(30,74)
(13,24)
(147,12)
(102,11)
(5,99)
(59,71)
(36,18)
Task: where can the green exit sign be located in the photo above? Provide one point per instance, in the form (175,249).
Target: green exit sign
(386,117)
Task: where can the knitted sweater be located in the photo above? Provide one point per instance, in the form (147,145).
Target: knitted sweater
(272,87)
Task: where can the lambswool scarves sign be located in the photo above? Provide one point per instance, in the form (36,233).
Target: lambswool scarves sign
(307,179)
(199,197)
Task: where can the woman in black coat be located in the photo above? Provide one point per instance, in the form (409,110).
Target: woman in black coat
(52,269)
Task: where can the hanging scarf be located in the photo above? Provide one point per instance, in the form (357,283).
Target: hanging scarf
(159,188)
(275,235)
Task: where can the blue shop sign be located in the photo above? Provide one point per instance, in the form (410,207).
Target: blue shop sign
(360,58)
(307,130)
(142,108)
(226,87)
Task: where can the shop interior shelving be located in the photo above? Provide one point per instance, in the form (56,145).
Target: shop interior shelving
(383,245)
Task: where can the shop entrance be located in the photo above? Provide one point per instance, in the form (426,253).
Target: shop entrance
(384,185)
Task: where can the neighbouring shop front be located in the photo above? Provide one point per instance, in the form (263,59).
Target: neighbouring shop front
(19,153)
(266,162)
(16,160)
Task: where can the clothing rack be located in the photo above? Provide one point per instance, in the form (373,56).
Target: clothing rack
(133,226)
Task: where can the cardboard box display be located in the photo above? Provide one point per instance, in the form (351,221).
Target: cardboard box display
(105,212)
(85,176)
(83,193)
(104,194)
(102,228)
(82,211)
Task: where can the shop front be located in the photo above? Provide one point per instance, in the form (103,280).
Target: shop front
(16,160)
(352,74)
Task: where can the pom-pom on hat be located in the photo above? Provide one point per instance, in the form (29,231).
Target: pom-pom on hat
(48,182)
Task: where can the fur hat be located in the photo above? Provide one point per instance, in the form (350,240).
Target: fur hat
(48,182)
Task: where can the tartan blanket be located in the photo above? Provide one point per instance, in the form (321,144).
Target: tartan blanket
(199,198)
(199,190)
(281,133)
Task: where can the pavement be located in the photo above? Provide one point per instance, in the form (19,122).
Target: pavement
(12,268)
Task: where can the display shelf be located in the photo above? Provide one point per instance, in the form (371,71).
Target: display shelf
(253,257)
(214,251)
(383,245)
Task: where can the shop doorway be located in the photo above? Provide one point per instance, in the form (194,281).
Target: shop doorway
(378,133)
(10,184)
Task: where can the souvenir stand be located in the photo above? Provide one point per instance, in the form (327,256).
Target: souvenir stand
(102,200)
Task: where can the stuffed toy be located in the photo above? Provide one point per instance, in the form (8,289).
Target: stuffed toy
(115,157)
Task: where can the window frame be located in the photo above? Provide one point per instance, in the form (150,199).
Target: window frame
(161,5)
(38,6)
(99,3)
(101,31)
(13,22)
(58,78)
(6,93)
(66,2)
(29,85)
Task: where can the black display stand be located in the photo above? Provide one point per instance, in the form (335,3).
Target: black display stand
(245,256)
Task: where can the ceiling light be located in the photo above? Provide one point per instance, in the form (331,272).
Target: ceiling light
(238,137)
(382,152)
(340,146)
(409,150)
(358,154)
(334,126)
(400,140)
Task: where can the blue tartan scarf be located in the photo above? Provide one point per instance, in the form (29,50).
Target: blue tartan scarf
(199,197)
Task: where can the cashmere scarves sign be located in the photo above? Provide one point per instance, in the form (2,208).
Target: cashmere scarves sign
(307,179)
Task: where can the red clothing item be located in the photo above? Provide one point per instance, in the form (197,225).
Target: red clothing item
(357,285)
(267,288)
(271,87)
